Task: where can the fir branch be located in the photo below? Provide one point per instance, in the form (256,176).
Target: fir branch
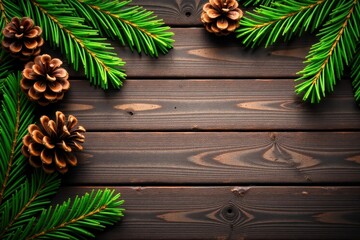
(72,220)
(136,26)
(283,19)
(355,74)
(27,202)
(16,114)
(256,2)
(80,43)
(7,64)
(325,62)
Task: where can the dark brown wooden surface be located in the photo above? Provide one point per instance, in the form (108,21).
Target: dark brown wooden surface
(235,212)
(217,104)
(219,158)
(211,142)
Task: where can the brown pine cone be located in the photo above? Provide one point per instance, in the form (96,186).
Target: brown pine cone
(52,144)
(22,39)
(44,81)
(221,16)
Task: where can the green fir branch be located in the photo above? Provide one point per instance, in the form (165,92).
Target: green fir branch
(256,2)
(80,43)
(16,114)
(326,60)
(283,19)
(27,201)
(8,10)
(138,28)
(72,220)
(7,64)
(355,74)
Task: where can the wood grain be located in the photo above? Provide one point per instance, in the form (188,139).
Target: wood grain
(198,54)
(218,158)
(267,104)
(175,12)
(235,212)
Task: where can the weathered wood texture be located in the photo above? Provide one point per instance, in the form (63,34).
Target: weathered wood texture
(209,105)
(219,158)
(213,114)
(235,213)
(175,12)
(198,54)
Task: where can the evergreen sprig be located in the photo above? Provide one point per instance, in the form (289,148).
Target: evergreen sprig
(355,74)
(283,19)
(23,200)
(80,29)
(27,201)
(91,211)
(16,114)
(138,28)
(339,34)
(256,2)
(80,43)
(337,46)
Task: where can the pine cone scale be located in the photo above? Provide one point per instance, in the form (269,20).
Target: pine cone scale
(37,136)
(39,87)
(46,156)
(34,150)
(60,160)
(47,142)
(33,94)
(34,162)
(15,47)
(55,87)
(31,44)
(222,24)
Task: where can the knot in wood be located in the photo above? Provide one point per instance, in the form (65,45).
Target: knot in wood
(231,213)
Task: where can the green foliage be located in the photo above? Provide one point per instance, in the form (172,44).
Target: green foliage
(8,9)
(27,202)
(135,26)
(80,27)
(16,114)
(326,60)
(256,2)
(93,211)
(339,34)
(355,74)
(283,19)
(80,43)
(23,200)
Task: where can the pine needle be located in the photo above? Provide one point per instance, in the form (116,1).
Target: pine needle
(355,74)
(91,211)
(283,19)
(16,114)
(27,201)
(327,58)
(80,43)
(256,2)
(138,28)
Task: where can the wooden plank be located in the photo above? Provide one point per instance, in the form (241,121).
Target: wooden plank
(209,105)
(175,12)
(218,158)
(197,54)
(235,213)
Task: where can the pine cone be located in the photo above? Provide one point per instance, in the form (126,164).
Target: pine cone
(221,16)
(51,145)
(22,39)
(44,81)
